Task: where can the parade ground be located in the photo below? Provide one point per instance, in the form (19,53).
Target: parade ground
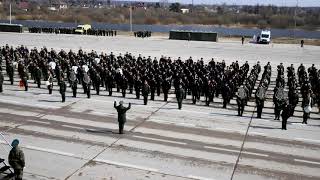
(79,140)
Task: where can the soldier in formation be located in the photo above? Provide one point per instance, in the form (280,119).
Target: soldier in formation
(192,79)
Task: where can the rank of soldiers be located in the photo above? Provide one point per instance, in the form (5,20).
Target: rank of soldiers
(152,77)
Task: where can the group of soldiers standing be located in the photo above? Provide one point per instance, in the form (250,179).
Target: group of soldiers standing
(152,77)
(66,30)
(142,34)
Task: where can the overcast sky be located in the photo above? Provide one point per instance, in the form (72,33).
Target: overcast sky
(251,2)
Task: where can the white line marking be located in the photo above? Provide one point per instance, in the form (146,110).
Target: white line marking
(49,151)
(126,165)
(310,140)
(173,123)
(257,133)
(256,154)
(310,162)
(222,149)
(42,122)
(162,140)
(27,104)
(236,151)
(73,127)
(198,177)
(18,112)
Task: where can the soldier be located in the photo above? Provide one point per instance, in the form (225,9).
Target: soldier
(180,95)
(73,83)
(16,160)
(145,92)
(121,114)
(307,108)
(152,88)
(241,100)
(38,76)
(1,81)
(50,83)
(63,89)
(293,100)
(137,87)
(286,113)
(24,79)
(279,100)
(242,40)
(260,98)
(166,85)
(110,82)
(87,84)
(10,71)
(124,86)
(226,95)
(97,83)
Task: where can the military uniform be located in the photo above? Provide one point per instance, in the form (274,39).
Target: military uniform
(73,83)
(17,162)
(145,92)
(286,113)
(121,115)
(25,80)
(50,83)
(180,95)
(63,88)
(1,81)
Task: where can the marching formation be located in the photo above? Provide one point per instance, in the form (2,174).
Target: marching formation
(148,78)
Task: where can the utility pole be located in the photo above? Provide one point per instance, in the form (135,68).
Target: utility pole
(295,20)
(10,12)
(130,18)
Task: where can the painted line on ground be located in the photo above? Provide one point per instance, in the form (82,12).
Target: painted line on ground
(309,140)
(222,149)
(199,177)
(49,151)
(18,112)
(236,151)
(257,133)
(126,165)
(27,104)
(172,123)
(73,127)
(255,154)
(42,122)
(162,140)
(305,161)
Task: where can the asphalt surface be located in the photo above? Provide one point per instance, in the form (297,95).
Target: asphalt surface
(78,139)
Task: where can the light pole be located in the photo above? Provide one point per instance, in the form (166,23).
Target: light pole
(10,12)
(295,20)
(130,18)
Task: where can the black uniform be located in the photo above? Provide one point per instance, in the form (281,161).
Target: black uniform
(145,93)
(121,115)
(73,83)
(1,81)
(180,95)
(286,113)
(63,88)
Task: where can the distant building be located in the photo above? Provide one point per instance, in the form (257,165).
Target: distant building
(185,11)
(24,5)
(58,5)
